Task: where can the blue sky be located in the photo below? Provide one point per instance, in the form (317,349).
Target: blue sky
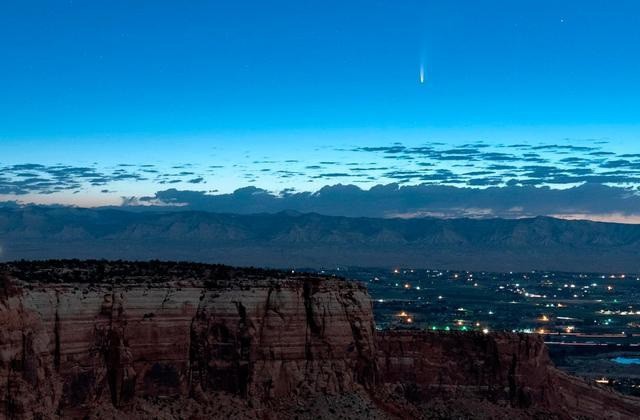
(247,85)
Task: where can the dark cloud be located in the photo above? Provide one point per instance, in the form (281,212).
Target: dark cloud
(524,164)
(384,149)
(478,173)
(33,178)
(462,151)
(499,157)
(517,199)
(484,182)
(601,153)
(558,147)
(620,163)
(474,164)
(403,174)
(333,175)
(373,168)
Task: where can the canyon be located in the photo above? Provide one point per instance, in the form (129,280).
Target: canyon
(98,339)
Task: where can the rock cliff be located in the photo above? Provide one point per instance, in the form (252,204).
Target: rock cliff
(166,340)
(460,372)
(68,347)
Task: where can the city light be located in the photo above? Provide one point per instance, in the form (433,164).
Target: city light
(534,298)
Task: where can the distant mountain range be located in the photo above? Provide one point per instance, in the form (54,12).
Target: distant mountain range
(294,240)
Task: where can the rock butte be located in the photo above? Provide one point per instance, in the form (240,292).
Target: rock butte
(99,339)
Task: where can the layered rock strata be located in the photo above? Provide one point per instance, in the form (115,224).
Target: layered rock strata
(66,348)
(506,369)
(176,341)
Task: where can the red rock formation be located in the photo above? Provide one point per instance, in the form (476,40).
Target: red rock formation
(80,346)
(510,370)
(209,342)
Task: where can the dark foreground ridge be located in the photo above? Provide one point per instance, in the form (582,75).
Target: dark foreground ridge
(193,341)
(137,272)
(290,239)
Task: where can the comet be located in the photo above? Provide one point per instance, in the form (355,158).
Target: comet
(421,73)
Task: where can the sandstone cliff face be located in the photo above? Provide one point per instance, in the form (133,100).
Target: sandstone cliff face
(68,348)
(177,341)
(509,370)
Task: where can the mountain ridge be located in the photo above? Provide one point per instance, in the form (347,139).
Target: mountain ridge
(293,239)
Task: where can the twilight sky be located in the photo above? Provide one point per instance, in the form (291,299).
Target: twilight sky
(101,100)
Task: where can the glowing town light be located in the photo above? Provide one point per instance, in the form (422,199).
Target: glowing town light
(485,331)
